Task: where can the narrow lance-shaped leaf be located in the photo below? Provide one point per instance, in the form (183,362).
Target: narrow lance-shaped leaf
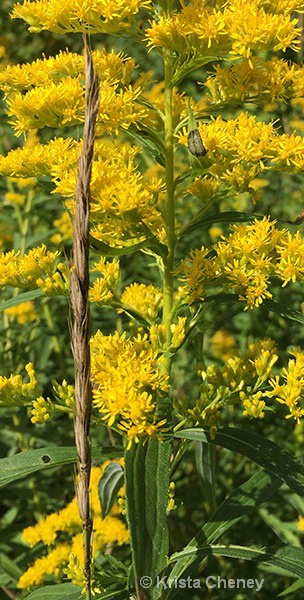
(264,452)
(109,485)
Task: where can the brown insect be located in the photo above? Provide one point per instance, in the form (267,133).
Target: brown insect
(195,143)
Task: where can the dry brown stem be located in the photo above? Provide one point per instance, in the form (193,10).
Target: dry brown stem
(80,321)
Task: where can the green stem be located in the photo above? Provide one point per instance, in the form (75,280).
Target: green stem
(170,214)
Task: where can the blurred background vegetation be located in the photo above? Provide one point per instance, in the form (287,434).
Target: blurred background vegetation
(45,341)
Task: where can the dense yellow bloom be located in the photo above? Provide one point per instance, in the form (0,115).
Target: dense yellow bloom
(108,531)
(239,149)
(126,375)
(65,393)
(244,263)
(64,225)
(36,269)
(23,312)
(108,66)
(62,104)
(145,299)
(42,409)
(97,16)
(237,28)
(47,565)
(260,80)
(103,289)
(301,523)
(14,392)
(14,198)
(223,344)
(238,381)
(120,197)
(291,390)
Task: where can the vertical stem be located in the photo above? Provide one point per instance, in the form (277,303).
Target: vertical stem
(170,215)
(80,328)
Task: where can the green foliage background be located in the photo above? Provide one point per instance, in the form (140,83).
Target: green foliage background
(46,344)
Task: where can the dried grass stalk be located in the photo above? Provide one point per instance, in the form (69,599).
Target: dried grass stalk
(80,321)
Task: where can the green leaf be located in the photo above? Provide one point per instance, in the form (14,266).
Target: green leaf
(286,557)
(242,502)
(283,310)
(288,312)
(153,147)
(23,297)
(205,465)
(108,595)
(262,451)
(9,567)
(184,66)
(64,591)
(151,242)
(294,587)
(109,486)
(24,464)
(147,473)
(282,529)
(107,250)
(201,221)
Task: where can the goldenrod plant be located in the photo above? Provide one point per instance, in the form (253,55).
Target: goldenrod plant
(152,204)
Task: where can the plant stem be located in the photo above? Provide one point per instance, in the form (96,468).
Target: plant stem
(170,214)
(80,327)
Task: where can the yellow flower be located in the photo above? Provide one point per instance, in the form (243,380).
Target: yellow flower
(37,268)
(14,198)
(144,299)
(301,523)
(99,16)
(290,391)
(14,392)
(66,523)
(65,229)
(42,409)
(23,312)
(236,28)
(223,344)
(254,405)
(108,65)
(126,374)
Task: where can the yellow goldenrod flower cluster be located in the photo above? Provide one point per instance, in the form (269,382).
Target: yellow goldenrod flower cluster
(67,524)
(42,410)
(64,393)
(239,380)
(301,524)
(126,376)
(144,299)
(288,388)
(237,28)
(108,66)
(64,226)
(14,198)
(36,269)
(97,16)
(22,313)
(239,149)
(120,197)
(104,288)
(223,344)
(49,92)
(157,333)
(14,392)
(62,104)
(262,80)
(245,262)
